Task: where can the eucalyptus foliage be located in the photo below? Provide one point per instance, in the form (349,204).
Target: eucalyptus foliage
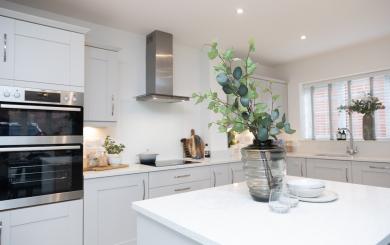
(248,111)
(366,105)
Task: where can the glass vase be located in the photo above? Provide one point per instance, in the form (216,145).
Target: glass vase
(265,169)
(368,127)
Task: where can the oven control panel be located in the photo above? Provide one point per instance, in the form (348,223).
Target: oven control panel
(27,95)
(12,94)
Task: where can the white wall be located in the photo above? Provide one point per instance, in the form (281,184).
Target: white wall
(362,58)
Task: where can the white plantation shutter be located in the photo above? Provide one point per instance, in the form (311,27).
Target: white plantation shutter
(321,118)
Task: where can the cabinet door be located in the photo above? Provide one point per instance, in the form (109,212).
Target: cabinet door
(237,172)
(101,85)
(296,166)
(7,48)
(48,55)
(329,169)
(220,175)
(59,223)
(367,173)
(109,218)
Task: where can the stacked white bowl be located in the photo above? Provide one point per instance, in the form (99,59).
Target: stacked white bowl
(307,188)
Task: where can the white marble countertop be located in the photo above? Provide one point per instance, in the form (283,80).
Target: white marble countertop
(336,156)
(135,168)
(227,215)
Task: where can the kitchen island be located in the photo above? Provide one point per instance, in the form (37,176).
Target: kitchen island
(228,215)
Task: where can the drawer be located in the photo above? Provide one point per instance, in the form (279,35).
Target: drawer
(180,188)
(178,176)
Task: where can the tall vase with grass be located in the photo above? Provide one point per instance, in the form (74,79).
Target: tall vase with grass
(264,161)
(367,105)
(113,151)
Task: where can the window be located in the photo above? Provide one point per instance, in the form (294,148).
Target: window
(321,118)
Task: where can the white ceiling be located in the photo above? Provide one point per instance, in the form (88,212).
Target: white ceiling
(276,25)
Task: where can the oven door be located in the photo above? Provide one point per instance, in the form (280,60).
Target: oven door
(28,124)
(33,175)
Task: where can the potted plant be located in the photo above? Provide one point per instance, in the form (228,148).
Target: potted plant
(367,106)
(264,162)
(113,151)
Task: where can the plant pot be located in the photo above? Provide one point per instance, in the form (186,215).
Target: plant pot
(368,127)
(114,159)
(264,167)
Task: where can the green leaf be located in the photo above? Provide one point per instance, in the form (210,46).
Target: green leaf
(280,125)
(227,89)
(260,107)
(222,129)
(228,55)
(244,101)
(237,73)
(262,134)
(275,97)
(252,45)
(238,127)
(287,129)
(275,114)
(222,79)
(242,90)
(210,124)
(213,53)
(284,118)
(274,131)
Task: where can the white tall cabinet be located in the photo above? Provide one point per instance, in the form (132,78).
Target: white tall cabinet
(101,85)
(7,44)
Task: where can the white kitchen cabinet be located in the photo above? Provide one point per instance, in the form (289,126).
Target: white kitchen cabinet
(58,223)
(329,169)
(236,172)
(7,48)
(109,218)
(101,85)
(296,166)
(368,173)
(178,176)
(220,175)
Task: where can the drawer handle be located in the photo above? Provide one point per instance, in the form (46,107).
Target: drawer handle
(346,175)
(1,229)
(183,189)
(5,50)
(182,176)
(232,171)
(144,190)
(376,167)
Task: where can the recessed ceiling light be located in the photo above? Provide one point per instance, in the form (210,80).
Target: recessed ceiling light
(303,37)
(239,11)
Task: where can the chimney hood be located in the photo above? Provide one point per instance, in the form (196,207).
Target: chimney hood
(159,69)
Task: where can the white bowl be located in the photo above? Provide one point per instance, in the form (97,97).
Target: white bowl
(308,193)
(306,187)
(305,184)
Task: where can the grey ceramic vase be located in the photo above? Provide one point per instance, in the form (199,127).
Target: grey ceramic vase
(368,127)
(265,169)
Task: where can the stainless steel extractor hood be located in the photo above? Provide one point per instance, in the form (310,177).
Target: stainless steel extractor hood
(159,69)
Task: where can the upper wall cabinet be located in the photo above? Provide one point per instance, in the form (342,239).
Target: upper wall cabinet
(42,54)
(101,85)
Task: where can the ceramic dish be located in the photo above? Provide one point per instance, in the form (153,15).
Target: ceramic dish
(326,196)
(306,192)
(306,183)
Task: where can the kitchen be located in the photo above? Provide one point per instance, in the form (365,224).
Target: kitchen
(100,52)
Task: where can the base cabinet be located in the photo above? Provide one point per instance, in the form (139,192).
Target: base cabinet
(219,175)
(296,166)
(109,218)
(329,170)
(59,223)
(367,173)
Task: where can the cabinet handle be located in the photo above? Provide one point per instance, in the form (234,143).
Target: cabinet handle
(215,179)
(180,189)
(144,187)
(232,171)
(182,176)
(112,105)
(376,167)
(302,170)
(5,48)
(346,174)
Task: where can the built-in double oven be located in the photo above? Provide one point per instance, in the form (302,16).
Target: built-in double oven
(41,150)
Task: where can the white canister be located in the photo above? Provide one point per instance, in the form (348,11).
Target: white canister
(114,159)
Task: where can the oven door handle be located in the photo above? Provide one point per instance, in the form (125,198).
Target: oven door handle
(38,107)
(40,148)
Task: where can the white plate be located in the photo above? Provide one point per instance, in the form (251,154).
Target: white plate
(327,196)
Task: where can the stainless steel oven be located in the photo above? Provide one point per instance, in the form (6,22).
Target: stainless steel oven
(41,151)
